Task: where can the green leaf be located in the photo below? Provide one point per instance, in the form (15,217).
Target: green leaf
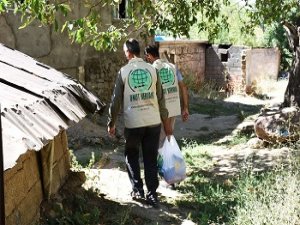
(27,22)
(64,26)
(36,6)
(65,9)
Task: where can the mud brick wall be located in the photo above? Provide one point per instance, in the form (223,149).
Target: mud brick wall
(189,56)
(26,184)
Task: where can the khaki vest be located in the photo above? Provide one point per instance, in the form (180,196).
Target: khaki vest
(140,100)
(167,73)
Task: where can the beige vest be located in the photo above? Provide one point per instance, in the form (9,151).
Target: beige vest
(167,73)
(140,101)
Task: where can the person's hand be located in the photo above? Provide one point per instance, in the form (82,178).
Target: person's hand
(185,114)
(168,137)
(168,130)
(111,130)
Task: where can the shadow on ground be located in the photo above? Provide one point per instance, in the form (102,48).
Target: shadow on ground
(76,205)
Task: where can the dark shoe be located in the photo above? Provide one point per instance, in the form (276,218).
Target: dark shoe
(137,194)
(152,199)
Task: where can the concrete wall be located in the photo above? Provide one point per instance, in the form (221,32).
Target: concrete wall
(189,56)
(261,64)
(27,183)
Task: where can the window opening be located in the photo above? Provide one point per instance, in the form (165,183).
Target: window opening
(120,10)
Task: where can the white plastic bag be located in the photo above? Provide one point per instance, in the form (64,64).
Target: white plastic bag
(171,165)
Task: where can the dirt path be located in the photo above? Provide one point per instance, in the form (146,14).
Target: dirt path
(108,174)
(110,177)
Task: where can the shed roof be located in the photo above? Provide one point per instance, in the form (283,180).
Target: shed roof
(37,102)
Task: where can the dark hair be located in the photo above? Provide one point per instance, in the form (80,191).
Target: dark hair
(152,50)
(133,46)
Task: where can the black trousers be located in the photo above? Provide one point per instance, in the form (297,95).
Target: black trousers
(148,139)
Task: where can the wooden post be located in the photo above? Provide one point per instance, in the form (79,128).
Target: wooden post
(2,201)
(51,168)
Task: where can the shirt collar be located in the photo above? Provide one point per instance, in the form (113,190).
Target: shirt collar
(160,60)
(134,60)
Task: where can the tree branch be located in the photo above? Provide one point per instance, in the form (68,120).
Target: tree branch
(292,35)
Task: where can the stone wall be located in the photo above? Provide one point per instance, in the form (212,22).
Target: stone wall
(222,60)
(28,183)
(189,56)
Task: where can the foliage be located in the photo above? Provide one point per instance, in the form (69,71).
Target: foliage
(261,12)
(77,166)
(175,18)
(275,36)
(230,30)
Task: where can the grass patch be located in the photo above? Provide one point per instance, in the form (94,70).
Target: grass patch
(63,213)
(267,198)
(196,156)
(207,199)
(251,198)
(201,139)
(270,198)
(219,108)
(84,157)
(237,140)
(205,90)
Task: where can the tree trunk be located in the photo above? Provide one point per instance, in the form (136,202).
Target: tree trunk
(292,93)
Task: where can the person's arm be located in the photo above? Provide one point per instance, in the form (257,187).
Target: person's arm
(115,105)
(164,114)
(185,101)
(185,96)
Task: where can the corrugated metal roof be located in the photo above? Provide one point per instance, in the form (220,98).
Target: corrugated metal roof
(37,101)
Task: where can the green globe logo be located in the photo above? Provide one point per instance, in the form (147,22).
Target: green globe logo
(140,80)
(166,76)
